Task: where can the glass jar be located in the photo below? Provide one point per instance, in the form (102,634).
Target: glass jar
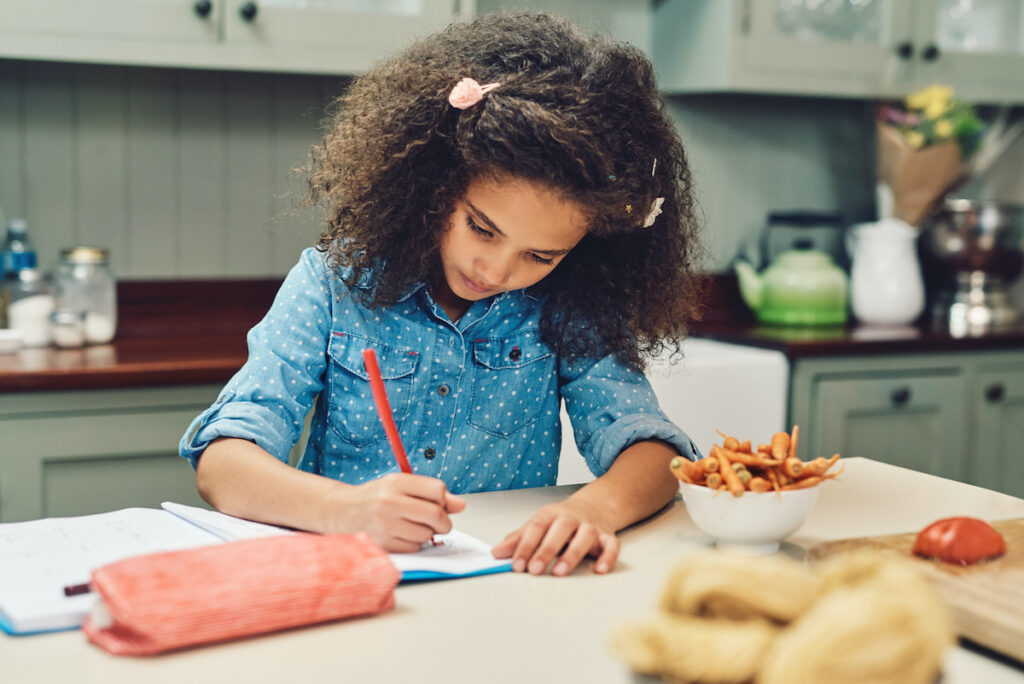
(29,305)
(85,284)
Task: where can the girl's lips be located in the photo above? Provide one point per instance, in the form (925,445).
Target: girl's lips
(474,286)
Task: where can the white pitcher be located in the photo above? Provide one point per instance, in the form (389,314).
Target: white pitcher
(886,287)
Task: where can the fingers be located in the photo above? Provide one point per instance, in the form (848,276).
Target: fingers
(530,537)
(453,504)
(506,546)
(560,537)
(558,534)
(582,541)
(609,554)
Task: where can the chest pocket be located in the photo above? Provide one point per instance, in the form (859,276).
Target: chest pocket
(513,377)
(351,413)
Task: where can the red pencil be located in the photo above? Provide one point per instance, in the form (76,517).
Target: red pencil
(380,400)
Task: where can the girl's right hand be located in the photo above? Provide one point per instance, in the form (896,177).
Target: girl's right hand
(399,511)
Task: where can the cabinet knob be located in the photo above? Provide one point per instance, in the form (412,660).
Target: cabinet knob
(905,50)
(249,10)
(995,392)
(202,8)
(930,53)
(900,396)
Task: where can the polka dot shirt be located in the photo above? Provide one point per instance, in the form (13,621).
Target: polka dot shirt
(476,401)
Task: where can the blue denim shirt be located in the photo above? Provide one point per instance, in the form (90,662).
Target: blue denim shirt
(476,402)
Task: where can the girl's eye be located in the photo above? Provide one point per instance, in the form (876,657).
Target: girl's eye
(541,260)
(475,227)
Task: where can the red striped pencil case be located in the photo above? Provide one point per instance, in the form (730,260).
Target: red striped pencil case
(167,601)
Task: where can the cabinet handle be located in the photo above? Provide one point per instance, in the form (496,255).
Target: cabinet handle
(905,50)
(900,396)
(995,392)
(930,53)
(249,10)
(202,8)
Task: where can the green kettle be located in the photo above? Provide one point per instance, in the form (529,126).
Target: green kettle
(801,287)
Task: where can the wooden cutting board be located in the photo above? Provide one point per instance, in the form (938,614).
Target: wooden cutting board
(986,600)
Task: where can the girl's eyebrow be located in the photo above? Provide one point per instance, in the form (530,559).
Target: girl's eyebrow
(490,224)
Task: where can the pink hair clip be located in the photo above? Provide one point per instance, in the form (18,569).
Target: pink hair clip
(468,92)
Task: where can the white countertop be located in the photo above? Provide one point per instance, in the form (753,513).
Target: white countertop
(519,628)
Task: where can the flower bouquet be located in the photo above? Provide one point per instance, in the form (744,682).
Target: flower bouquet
(923,147)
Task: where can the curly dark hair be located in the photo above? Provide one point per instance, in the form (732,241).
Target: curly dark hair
(578,113)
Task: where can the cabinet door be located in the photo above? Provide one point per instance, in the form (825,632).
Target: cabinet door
(74,453)
(996,460)
(352,34)
(978,47)
(855,42)
(154,20)
(907,420)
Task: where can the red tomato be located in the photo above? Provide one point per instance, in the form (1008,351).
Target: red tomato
(959,540)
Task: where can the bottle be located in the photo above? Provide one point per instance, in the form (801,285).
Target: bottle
(85,286)
(30,304)
(18,251)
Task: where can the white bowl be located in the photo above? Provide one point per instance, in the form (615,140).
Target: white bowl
(752,524)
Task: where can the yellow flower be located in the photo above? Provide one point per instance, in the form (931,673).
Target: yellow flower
(937,108)
(943,128)
(915,139)
(932,98)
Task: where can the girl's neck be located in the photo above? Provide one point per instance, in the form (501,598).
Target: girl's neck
(452,304)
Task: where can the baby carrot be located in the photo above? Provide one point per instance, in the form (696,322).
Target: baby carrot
(818,466)
(686,470)
(780,445)
(764,449)
(792,441)
(714,480)
(732,480)
(745,446)
(759,484)
(758,460)
(730,443)
(792,467)
(709,464)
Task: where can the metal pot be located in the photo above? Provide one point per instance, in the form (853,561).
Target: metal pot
(966,236)
(970,252)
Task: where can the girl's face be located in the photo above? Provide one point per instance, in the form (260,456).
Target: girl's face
(505,234)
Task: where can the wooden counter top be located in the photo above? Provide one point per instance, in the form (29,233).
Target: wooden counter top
(183,333)
(169,333)
(802,342)
(133,362)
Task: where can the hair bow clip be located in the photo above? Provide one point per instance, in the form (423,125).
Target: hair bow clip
(654,213)
(468,92)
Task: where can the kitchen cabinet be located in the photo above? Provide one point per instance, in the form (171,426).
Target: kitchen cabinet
(866,49)
(997,397)
(73,453)
(322,37)
(959,416)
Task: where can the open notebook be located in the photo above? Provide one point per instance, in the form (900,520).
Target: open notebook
(38,558)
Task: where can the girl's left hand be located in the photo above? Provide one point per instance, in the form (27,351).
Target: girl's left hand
(569,530)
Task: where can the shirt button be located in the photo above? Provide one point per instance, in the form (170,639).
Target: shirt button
(443,390)
(429,453)
(515,354)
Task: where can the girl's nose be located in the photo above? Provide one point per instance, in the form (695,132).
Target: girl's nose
(496,268)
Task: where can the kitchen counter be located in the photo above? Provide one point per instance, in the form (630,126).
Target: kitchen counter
(727,319)
(193,332)
(512,627)
(853,340)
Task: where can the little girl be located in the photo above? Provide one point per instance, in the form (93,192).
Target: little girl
(509,223)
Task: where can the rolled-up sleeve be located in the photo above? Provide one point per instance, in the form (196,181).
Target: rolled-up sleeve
(267,399)
(612,407)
